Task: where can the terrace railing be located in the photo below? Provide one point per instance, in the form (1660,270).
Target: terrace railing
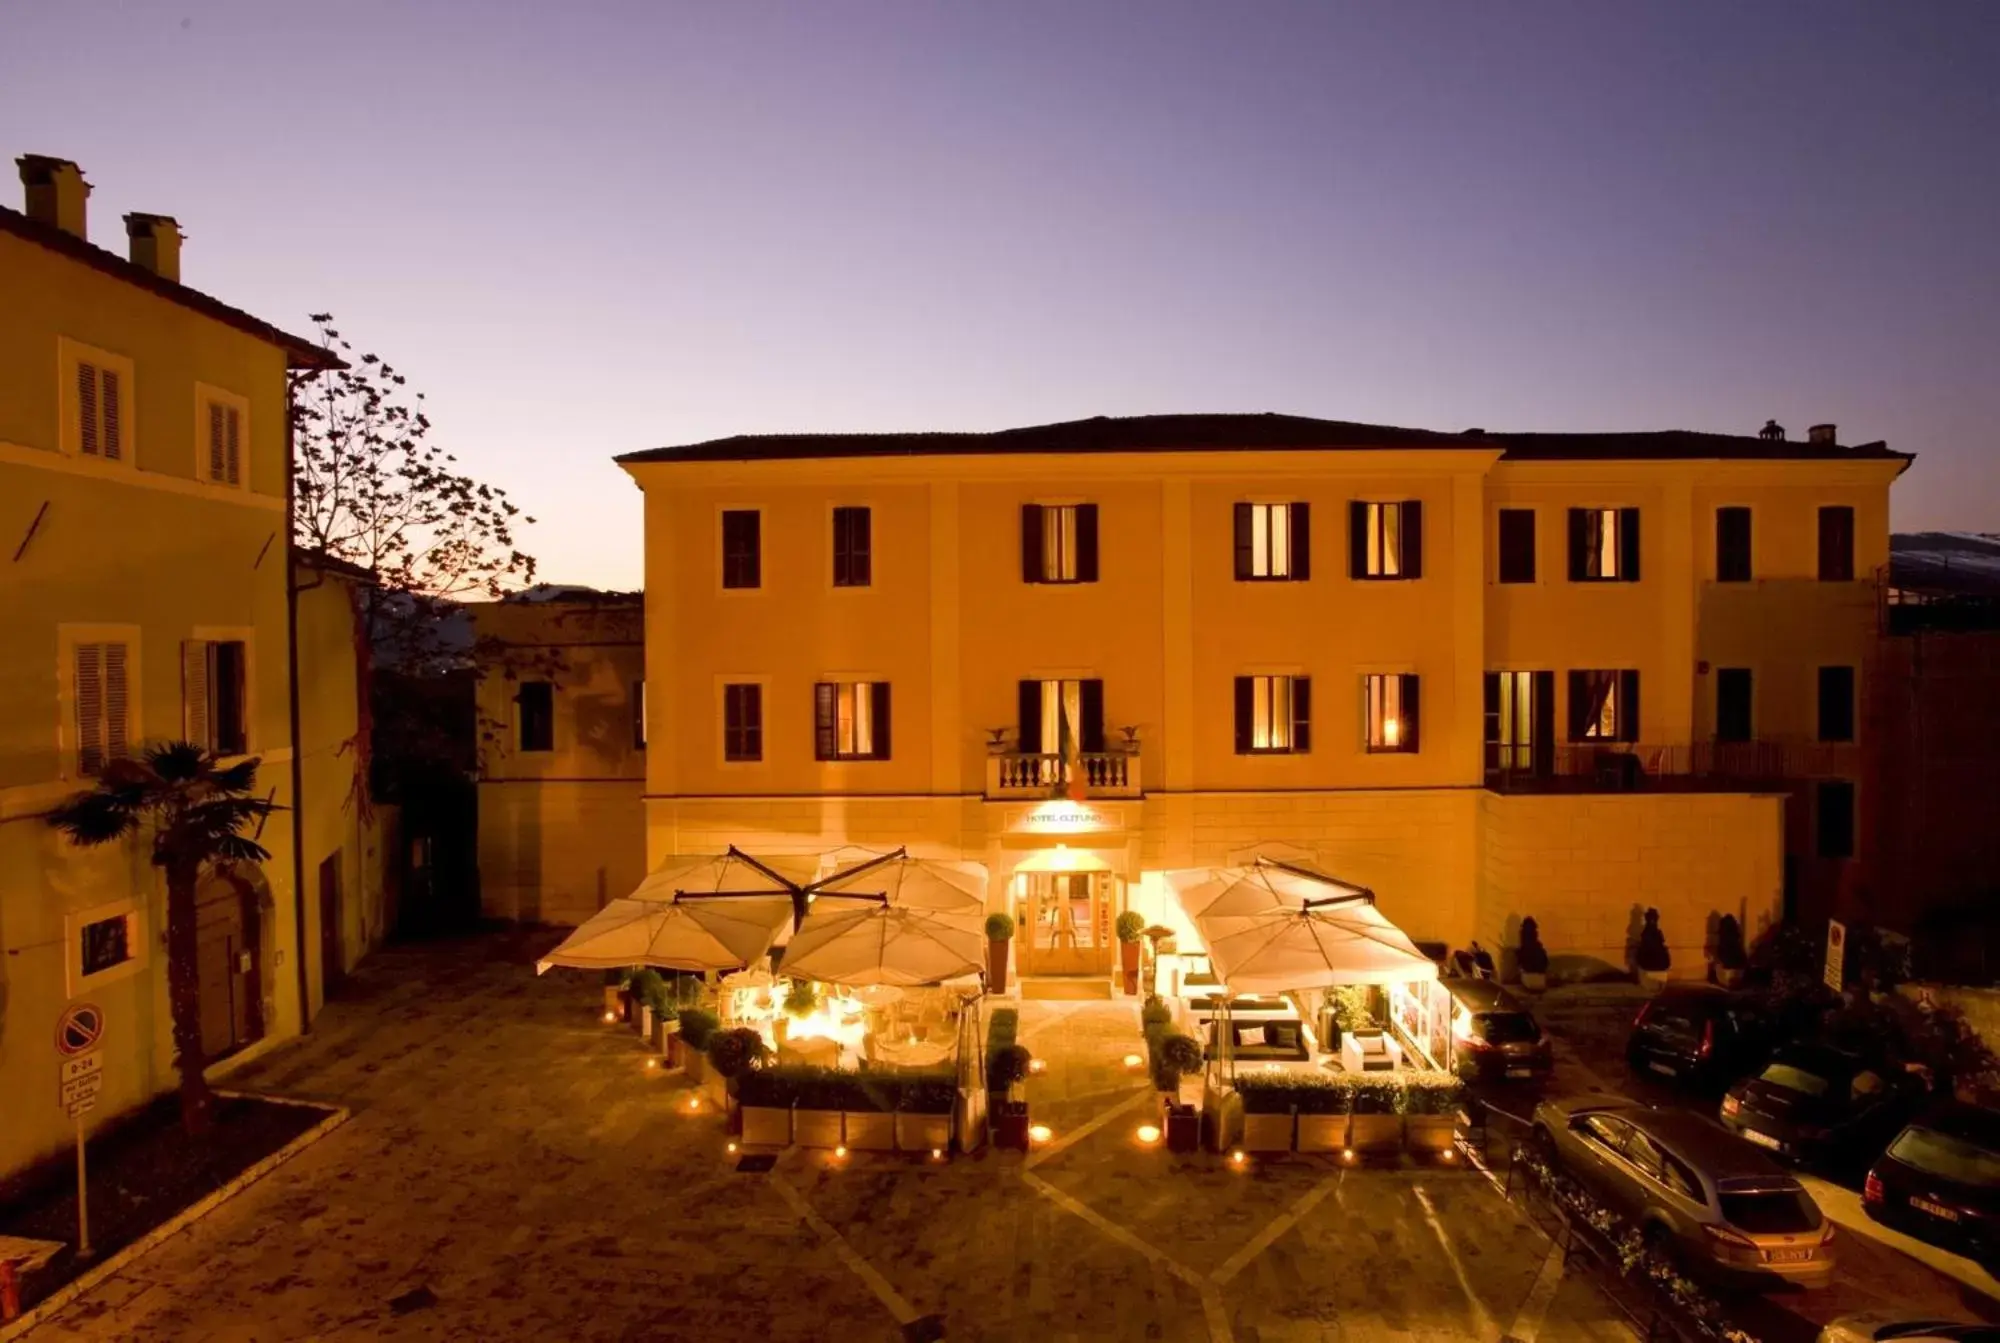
(1034,774)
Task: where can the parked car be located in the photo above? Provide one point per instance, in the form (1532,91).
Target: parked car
(1940,1181)
(1815,1103)
(1700,1036)
(1698,1193)
(1494,1038)
(1902,1329)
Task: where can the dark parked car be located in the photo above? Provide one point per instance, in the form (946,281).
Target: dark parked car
(1705,1197)
(1699,1035)
(1940,1181)
(1820,1104)
(1494,1038)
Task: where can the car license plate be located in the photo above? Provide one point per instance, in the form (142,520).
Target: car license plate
(1934,1209)
(1665,1069)
(1762,1139)
(1520,1072)
(1788,1256)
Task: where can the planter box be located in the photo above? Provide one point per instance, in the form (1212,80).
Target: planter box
(996,965)
(1322,1133)
(1430,1133)
(766,1126)
(1128,968)
(870,1132)
(715,1086)
(667,1038)
(923,1133)
(644,1023)
(1534,981)
(1653,979)
(1267,1133)
(614,1000)
(1729,978)
(816,1128)
(1010,1125)
(693,1060)
(1183,1126)
(1375,1133)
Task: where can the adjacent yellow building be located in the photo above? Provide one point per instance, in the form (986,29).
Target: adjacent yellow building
(144,556)
(1487,675)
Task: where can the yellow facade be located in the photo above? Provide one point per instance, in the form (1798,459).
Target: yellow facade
(143,551)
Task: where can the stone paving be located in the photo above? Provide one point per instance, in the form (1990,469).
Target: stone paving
(513,1170)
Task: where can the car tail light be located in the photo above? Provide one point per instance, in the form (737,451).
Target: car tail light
(1640,1020)
(1730,1244)
(1826,1235)
(1871,1189)
(1707,1040)
(1731,1105)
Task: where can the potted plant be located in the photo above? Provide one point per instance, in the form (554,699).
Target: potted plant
(1532,957)
(1430,1110)
(648,991)
(1324,1104)
(1006,1067)
(999,933)
(817,1105)
(1652,956)
(698,1025)
(868,1110)
(731,1053)
(923,1111)
(1174,1057)
(765,1097)
(1730,957)
(1376,1124)
(1346,1010)
(1129,927)
(1267,1113)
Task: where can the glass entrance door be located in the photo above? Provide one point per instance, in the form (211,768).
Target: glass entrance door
(1063,922)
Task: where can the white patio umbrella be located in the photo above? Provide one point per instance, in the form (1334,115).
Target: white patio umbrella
(883,944)
(902,882)
(731,873)
(1277,926)
(690,934)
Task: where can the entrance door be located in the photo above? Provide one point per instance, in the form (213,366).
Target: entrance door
(332,968)
(226,964)
(1063,922)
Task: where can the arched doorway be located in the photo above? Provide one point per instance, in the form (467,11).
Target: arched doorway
(229,960)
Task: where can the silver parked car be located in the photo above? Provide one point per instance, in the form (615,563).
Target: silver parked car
(1695,1191)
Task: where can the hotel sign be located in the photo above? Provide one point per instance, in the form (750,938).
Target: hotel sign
(1065,818)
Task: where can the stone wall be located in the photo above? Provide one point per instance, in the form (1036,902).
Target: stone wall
(556,852)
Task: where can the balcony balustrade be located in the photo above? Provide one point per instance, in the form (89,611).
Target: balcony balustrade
(1039,774)
(1702,766)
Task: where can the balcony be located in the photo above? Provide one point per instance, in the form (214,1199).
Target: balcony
(1683,767)
(1027,775)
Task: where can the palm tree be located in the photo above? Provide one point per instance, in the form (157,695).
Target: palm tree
(196,811)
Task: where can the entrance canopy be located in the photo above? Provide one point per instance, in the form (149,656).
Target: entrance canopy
(1272,926)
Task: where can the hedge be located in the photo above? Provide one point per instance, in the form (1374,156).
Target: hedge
(1418,1093)
(877,1091)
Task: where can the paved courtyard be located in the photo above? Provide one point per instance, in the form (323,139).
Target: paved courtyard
(512,1170)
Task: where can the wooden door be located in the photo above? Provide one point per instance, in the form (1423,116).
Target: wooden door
(226,965)
(332,966)
(1063,923)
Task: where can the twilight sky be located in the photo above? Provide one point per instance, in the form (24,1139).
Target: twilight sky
(585,228)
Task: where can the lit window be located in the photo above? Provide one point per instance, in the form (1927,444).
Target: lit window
(215,695)
(1059,543)
(1518,707)
(1604,706)
(1273,714)
(1604,545)
(851,720)
(1391,712)
(1386,540)
(1272,541)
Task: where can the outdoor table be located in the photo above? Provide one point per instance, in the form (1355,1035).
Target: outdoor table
(920,1054)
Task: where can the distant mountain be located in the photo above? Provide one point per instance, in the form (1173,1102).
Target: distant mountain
(1946,563)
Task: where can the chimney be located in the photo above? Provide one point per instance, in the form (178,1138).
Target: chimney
(56,192)
(156,244)
(1823,435)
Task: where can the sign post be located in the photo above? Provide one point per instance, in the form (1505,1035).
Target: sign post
(1835,972)
(79,1031)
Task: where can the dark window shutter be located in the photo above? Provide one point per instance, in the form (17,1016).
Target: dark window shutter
(1086,543)
(1357,538)
(1489,707)
(1246,712)
(1032,570)
(1836,704)
(1628,706)
(880,691)
(862,543)
(1579,706)
(851,558)
(1628,544)
(1517,545)
(1579,544)
(1301,534)
(1245,566)
(1543,728)
(1732,704)
(753,721)
(1732,545)
(1302,698)
(1028,736)
(1090,704)
(1412,714)
(1836,544)
(114,445)
(226,686)
(826,720)
(1413,539)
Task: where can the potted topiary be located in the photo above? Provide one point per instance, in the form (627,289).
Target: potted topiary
(1324,1104)
(698,1026)
(1730,957)
(1532,957)
(1430,1111)
(1652,956)
(1173,1056)
(731,1053)
(764,1096)
(1267,1112)
(923,1111)
(999,934)
(1129,927)
(1007,1068)
(648,991)
(817,1104)
(1377,1121)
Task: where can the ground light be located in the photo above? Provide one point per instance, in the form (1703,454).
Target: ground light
(839,1152)
(937,1154)
(652,1063)
(694,1103)
(1040,1133)
(1133,1060)
(1149,1134)
(1038,1065)
(1347,1154)
(610,1017)
(1238,1157)
(732,1149)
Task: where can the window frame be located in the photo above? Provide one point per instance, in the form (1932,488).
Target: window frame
(71,352)
(208,636)
(723,686)
(880,718)
(205,396)
(1844,569)
(1730,572)
(723,571)
(1297,558)
(1747,729)
(68,736)
(1625,706)
(1850,705)
(1624,549)
(1375,737)
(1255,690)
(1534,757)
(521,718)
(1367,543)
(1085,550)
(838,579)
(1822,788)
(138,945)
(1501,571)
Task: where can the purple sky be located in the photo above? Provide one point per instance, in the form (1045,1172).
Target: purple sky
(584,229)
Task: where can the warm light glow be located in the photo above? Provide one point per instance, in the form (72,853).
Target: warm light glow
(840,1151)
(1038,1065)
(1448,1154)
(1392,729)
(652,1063)
(1347,1154)
(610,1017)
(1238,1156)
(694,1103)
(1149,1134)
(1040,1133)
(937,1154)
(1133,1060)
(732,1147)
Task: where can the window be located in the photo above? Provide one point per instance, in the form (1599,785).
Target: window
(1390,710)
(1604,545)
(221,431)
(1059,543)
(1836,704)
(851,720)
(538,715)
(638,715)
(1058,717)
(1273,715)
(1604,706)
(1836,545)
(742,557)
(1833,812)
(1517,545)
(215,696)
(104,943)
(103,704)
(1273,541)
(98,390)
(853,560)
(743,722)
(1732,545)
(1732,704)
(1385,540)
(1520,722)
